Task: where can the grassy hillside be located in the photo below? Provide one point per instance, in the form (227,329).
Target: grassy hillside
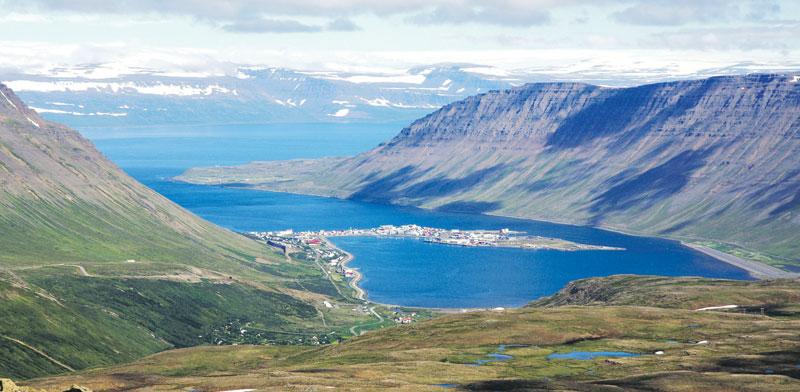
(97,269)
(739,349)
(712,161)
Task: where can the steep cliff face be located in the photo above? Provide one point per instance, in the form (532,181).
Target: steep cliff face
(715,159)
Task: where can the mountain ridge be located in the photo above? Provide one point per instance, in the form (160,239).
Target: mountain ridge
(700,160)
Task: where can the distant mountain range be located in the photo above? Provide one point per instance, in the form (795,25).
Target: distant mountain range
(253,95)
(93,96)
(714,160)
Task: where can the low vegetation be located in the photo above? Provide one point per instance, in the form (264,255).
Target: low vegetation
(677,347)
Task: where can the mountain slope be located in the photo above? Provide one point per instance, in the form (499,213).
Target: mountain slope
(62,201)
(703,160)
(97,269)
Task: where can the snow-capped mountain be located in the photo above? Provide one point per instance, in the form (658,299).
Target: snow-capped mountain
(91,95)
(252,95)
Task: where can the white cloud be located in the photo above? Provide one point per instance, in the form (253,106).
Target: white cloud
(681,12)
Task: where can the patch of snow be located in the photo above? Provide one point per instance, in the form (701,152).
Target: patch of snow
(60,104)
(340,102)
(279,102)
(461,90)
(359,79)
(446,83)
(376,102)
(150,89)
(123,107)
(9,101)
(242,75)
(341,113)
(795,79)
(488,71)
(57,111)
(383,102)
(302,102)
(32,122)
(184,74)
(404,106)
(717,308)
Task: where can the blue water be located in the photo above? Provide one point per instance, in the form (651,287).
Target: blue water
(397,271)
(589,355)
(495,356)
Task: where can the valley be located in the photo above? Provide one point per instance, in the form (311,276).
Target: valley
(437,195)
(656,159)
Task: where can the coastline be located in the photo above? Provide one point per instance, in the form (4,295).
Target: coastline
(756,269)
(361,294)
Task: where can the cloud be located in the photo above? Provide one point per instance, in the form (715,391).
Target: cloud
(306,16)
(261,25)
(780,36)
(268,25)
(499,12)
(245,15)
(342,24)
(681,12)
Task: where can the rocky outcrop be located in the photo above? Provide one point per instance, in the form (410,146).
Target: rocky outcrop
(7,385)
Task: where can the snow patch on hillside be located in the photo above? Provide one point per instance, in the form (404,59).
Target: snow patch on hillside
(341,113)
(57,111)
(363,79)
(9,101)
(150,89)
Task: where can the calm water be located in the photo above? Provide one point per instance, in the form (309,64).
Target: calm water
(590,355)
(397,271)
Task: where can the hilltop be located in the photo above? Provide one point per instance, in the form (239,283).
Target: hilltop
(712,161)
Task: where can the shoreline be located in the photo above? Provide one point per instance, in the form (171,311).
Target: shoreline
(758,271)
(361,294)
(752,267)
(755,269)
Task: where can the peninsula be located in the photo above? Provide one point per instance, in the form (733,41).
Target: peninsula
(504,238)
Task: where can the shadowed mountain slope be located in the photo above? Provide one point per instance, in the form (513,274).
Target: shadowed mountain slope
(704,160)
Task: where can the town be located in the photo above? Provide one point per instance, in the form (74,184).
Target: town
(475,238)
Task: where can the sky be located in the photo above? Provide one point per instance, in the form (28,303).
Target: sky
(384,36)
